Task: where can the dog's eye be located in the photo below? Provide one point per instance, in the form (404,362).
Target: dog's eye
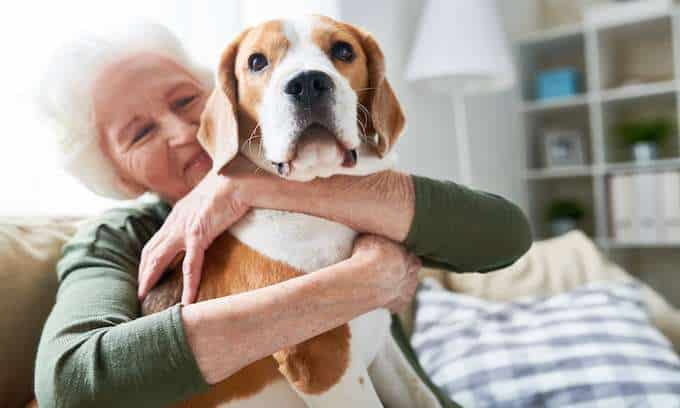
(257,62)
(342,51)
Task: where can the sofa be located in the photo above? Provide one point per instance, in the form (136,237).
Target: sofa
(30,248)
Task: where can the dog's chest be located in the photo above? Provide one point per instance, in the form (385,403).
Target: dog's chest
(302,241)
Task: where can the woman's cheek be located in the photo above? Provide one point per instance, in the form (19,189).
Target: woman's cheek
(152,169)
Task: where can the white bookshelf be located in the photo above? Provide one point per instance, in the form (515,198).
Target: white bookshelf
(596,52)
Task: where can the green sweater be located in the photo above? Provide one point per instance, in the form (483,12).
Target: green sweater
(96,350)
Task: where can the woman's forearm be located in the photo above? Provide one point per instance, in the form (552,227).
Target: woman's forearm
(451,226)
(381,204)
(227,334)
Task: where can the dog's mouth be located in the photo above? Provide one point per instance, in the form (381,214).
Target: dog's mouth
(316,134)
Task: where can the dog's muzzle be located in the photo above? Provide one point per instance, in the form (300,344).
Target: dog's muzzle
(312,95)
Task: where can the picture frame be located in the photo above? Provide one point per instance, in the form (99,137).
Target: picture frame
(563,147)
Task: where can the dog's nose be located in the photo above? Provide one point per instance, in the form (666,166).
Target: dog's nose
(309,87)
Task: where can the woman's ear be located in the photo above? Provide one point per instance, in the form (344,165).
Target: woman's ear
(387,116)
(218,133)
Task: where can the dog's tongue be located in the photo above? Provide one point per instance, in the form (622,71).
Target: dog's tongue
(350,159)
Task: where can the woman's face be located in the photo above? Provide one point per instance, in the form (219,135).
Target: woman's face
(147,110)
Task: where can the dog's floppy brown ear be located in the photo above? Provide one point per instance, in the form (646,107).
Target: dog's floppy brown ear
(387,117)
(219,133)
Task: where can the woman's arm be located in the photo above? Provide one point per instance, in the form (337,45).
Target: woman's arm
(95,351)
(229,333)
(450,226)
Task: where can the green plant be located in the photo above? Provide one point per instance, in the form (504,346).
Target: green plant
(645,130)
(560,209)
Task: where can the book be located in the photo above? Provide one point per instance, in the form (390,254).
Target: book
(647,205)
(621,201)
(670,199)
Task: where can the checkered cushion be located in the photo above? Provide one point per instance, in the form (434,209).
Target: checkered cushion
(592,347)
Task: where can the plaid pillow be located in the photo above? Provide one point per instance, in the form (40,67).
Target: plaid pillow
(592,347)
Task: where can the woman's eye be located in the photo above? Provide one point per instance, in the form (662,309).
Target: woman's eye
(342,51)
(143,132)
(183,102)
(257,62)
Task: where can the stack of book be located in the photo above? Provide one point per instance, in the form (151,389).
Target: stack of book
(645,207)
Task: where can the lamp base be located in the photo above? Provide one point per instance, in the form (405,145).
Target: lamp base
(462,141)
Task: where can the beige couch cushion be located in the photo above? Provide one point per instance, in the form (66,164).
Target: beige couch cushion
(29,249)
(549,267)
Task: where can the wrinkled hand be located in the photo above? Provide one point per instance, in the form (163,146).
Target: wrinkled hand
(193,224)
(393,269)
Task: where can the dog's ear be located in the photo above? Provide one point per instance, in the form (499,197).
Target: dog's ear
(219,133)
(387,116)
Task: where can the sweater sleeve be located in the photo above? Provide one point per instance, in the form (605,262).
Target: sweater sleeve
(464,230)
(95,350)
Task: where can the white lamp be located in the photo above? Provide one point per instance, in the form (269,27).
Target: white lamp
(461,48)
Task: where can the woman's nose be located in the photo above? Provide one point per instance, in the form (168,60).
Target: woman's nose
(181,130)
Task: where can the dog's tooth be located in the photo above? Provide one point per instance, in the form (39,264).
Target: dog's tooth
(350,159)
(283,169)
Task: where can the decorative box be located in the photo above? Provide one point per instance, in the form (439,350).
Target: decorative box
(557,83)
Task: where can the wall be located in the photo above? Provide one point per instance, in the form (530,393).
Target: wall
(428,147)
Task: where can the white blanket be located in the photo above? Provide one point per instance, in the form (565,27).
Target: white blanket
(557,266)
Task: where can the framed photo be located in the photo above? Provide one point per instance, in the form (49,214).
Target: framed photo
(563,147)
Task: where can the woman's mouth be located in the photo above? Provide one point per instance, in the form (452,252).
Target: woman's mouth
(201,159)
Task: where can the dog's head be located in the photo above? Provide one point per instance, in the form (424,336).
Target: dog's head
(305,98)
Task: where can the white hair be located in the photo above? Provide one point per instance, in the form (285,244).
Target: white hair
(64,96)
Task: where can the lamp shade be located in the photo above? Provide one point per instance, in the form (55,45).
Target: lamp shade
(460,44)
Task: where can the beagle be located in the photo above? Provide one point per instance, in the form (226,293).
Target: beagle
(301,98)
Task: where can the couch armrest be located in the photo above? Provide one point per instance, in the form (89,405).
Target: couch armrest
(29,250)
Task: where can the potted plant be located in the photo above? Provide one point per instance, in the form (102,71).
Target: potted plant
(644,135)
(564,216)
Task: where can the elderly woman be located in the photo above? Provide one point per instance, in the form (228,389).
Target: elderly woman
(127,108)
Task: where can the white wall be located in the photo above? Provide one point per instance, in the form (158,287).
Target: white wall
(496,145)
(428,146)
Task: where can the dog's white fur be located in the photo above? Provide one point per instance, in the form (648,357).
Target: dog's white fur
(276,112)
(309,243)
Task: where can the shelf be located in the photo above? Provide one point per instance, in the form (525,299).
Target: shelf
(654,165)
(628,92)
(556,103)
(564,31)
(614,244)
(559,172)
(609,168)
(639,91)
(609,56)
(576,29)
(647,17)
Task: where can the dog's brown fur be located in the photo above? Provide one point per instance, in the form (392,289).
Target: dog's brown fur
(231,267)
